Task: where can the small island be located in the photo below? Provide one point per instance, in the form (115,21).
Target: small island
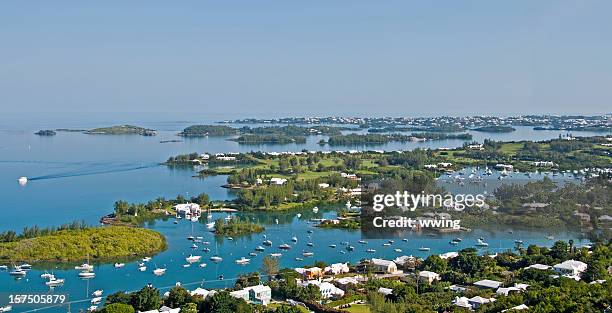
(45,132)
(236,227)
(271,139)
(495,129)
(208,130)
(97,243)
(121,130)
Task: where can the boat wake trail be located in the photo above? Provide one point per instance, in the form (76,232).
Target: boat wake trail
(96,170)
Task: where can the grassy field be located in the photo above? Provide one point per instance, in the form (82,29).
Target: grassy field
(358,308)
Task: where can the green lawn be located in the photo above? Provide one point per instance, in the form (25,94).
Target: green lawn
(511,148)
(358,308)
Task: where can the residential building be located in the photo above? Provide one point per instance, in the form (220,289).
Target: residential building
(487,283)
(428,276)
(383,266)
(570,268)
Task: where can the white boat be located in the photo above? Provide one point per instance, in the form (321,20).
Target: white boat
(199,237)
(97,293)
(159,271)
(6,308)
(363,242)
(25,266)
(92,308)
(243,261)
(259,248)
(84,267)
(194,246)
(332,246)
(386,244)
(294,239)
(23,180)
(119,265)
(146,259)
(371,251)
(96,300)
(315,210)
(142,268)
(18,272)
(47,275)
(398,250)
(307,254)
(252,254)
(3,267)
(298,215)
(299,259)
(267,243)
(284,246)
(87,274)
(276,255)
(424,248)
(310,244)
(202,264)
(228,218)
(481,243)
(186,265)
(193,258)
(210,225)
(195,218)
(216,259)
(54,282)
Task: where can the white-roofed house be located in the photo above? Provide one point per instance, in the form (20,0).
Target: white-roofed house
(428,276)
(385,291)
(538,266)
(571,268)
(259,294)
(487,283)
(383,266)
(277,181)
(327,290)
(188,209)
(478,301)
(337,268)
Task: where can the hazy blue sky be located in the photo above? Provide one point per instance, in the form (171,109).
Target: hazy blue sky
(306,57)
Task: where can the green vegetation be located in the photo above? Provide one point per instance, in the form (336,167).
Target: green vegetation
(495,129)
(77,244)
(237,226)
(208,130)
(566,154)
(291,130)
(121,130)
(370,139)
(136,213)
(272,139)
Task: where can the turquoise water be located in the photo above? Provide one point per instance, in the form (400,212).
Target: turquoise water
(79,177)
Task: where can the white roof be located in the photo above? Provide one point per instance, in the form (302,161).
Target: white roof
(481,300)
(538,267)
(518,307)
(259,288)
(428,274)
(571,265)
(488,283)
(382,262)
(385,291)
(449,255)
